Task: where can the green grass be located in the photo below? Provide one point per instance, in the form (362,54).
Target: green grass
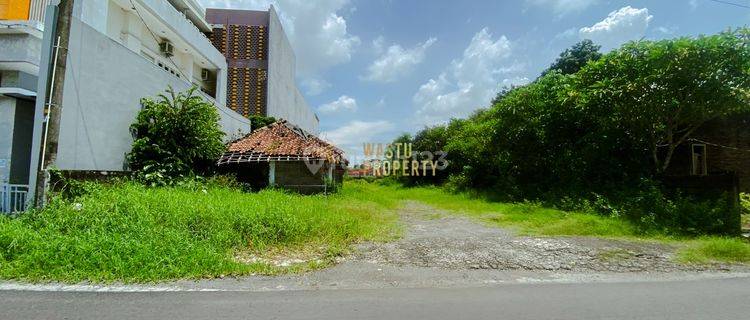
(526,218)
(715,249)
(533,219)
(130,233)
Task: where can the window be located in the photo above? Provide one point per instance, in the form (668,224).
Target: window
(698,160)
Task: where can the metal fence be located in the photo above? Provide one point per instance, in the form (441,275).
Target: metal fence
(13,197)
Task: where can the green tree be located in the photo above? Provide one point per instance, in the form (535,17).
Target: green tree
(175,135)
(662,91)
(573,59)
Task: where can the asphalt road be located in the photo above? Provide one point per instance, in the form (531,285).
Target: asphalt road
(700,299)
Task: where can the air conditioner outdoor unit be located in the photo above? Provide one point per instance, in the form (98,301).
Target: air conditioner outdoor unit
(205,74)
(166,48)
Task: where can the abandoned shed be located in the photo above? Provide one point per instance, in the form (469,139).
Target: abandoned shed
(719,147)
(283,155)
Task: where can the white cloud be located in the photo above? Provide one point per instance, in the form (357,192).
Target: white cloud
(354,134)
(668,31)
(563,7)
(620,26)
(316,29)
(469,82)
(378,45)
(343,103)
(315,86)
(396,61)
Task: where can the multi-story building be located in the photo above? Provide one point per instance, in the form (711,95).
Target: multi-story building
(20,45)
(113,53)
(116,52)
(261,66)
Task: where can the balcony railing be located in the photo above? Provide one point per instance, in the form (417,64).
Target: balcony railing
(13,197)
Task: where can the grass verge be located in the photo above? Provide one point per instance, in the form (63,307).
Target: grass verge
(526,218)
(130,233)
(714,249)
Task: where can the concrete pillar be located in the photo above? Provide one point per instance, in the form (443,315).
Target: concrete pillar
(7,122)
(272,173)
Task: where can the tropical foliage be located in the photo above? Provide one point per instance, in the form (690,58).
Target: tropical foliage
(601,135)
(176,135)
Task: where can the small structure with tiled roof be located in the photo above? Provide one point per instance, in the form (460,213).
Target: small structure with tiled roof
(283,155)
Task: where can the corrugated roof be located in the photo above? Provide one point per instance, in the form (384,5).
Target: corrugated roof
(281,141)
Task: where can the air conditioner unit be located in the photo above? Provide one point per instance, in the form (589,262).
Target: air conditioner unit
(166,48)
(205,74)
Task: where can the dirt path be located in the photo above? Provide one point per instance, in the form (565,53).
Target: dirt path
(438,239)
(444,250)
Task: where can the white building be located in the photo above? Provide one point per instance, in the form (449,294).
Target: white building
(119,51)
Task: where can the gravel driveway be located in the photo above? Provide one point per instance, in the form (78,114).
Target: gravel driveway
(438,239)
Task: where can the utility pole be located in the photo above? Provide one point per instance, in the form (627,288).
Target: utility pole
(52,100)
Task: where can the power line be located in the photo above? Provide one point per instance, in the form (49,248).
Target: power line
(731,3)
(718,145)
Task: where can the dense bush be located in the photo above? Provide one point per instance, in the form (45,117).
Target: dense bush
(175,136)
(258,122)
(601,132)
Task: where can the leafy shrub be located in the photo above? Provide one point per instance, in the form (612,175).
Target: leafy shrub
(651,210)
(745,203)
(588,137)
(175,136)
(258,122)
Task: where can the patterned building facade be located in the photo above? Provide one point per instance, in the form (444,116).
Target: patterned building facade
(242,37)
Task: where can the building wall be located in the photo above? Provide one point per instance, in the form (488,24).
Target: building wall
(193,50)
(284,98)
(104,82)
(294,175)
(22,135)
(20,51)
(14,9)
(7,121)
(37,9)
(242,37)
(733,154)
(16,120)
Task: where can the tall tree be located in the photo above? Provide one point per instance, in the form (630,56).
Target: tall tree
(574,58)
(662,91)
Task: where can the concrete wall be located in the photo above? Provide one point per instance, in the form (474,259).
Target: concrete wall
(284,99)
(294,175)
(7,118)
(104,82)
(22,134)
(16,120)
(115,19)
(20,51)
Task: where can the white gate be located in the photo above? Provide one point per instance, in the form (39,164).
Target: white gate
(13,197)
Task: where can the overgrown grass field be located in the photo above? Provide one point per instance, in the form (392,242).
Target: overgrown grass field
(127,232)
(130,233)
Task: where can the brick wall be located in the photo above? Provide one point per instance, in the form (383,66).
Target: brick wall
(732,132)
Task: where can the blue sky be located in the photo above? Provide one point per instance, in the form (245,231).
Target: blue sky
(372,69)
